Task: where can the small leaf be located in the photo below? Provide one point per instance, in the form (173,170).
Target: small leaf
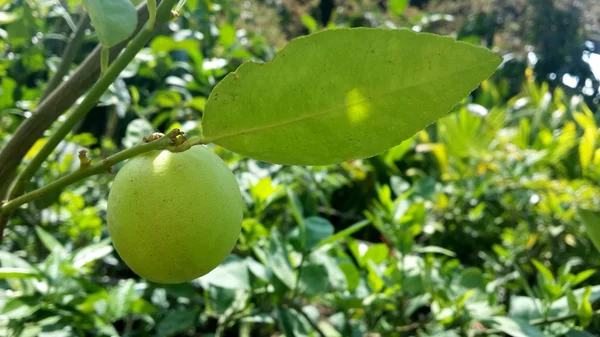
(310,23)
(470,278)
(12,260)
(376,253)
(114,20)
(517,328)
(136,130)
(345,233)
(17,273)
(543,270)
(591,220)
(92,253)
(176,321)
(20,307)
(577,333)
(585,310)
(286,321)
(49,241)
(121,300)
(352,274)
(278,261)
(313,280)
(362,91)
(231,274)
(582,276)
(317,229)
(296,206)
(221,299)
(435,250)
(586,148)
(397,7)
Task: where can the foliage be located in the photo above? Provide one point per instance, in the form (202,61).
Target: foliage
(467,228)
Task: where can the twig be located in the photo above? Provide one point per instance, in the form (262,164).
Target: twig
(86,171)
(57,102)
(67,56)
(138,42)
(409,327)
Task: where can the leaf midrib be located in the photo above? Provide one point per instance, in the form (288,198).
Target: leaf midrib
(336,108)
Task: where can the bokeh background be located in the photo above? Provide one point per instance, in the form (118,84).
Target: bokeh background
(467,229)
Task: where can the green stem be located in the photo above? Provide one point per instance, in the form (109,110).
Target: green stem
(89,101)
(104,56)
(151,4)
(84,172)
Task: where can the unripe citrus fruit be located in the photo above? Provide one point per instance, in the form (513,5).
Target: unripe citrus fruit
(174,217)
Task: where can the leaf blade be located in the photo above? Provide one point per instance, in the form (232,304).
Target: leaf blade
(335,106)
(114,20)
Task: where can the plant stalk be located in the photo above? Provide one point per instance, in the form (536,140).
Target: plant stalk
(136,44)
(165,142)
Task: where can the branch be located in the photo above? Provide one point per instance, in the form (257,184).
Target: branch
(68,56)
(87,170)
(138,42)
(48,110)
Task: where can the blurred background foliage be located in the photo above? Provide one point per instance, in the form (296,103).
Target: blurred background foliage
(467,229)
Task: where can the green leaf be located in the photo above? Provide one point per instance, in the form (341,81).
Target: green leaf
(20,307)
(582,276)
(49,241)
(470,278)
(136,130)
(397,7)
(292,323)
(121,300)
(345,233)
(286,321)
(517,328)
(176,321)
(316,230)
(296,207)
(352,274)
(585,310)
(278,261)
(586,148)
(591,220)
(310,23)
(17,273)
(221,299)
(6,18)
(114,20)
(543,270)
(12,260)
(376,253)
(92,253)
(231,274)
(313,280)
(435,250)
(360,92)
(577,333)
